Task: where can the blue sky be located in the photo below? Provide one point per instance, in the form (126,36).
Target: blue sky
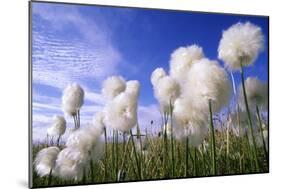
(86,44)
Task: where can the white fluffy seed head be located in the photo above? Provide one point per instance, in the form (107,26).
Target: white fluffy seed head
(241,42)
(189,122)
(133,88)
(45,160)
(166,91)
(207,81)
(84,139)
(58,127)
(194,130)
(257,94)
(113,86)
(98,120)
(156,75)
(182,59)
(71,163)
(72,99)
(121,113)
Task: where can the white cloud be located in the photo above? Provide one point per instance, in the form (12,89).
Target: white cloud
(59,60)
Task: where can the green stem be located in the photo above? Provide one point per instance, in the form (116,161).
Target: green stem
(113,153)
(135,154)
(214,166)
(50,178)
(263,141)
(249,119)
(117,155)
(92,170)
(186,157)
(106,156)
(195,162)
(172,140)
(203,159)
(124,157)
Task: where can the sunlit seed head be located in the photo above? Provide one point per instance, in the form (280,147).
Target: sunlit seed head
(133,88)
(257,94)
(182,59)
(189,122)
(156,75)
(72,99)
(166,92)
(242,42)
(207,81)
(98,120)
(121,113)
(58,126)
(84,139)
(71,163)
(45,160)
(113,86)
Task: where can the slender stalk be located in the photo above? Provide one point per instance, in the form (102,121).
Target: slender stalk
(249,119)
(165,157)
(262,136)
(124,157)
(186,157)
(117,155)
(47,140)
(78,117)
(92,170)
(58,141)
(50,178)
(249,149)
(203,159)
(113,154)
(195,162)
(75,124)
(106,156)
(135,154)
(172,141)
(214,166)
(141,158)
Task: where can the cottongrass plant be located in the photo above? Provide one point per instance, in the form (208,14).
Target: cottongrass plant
(257,97)
(72,101)
(240,46)
(45,160)
(57,128)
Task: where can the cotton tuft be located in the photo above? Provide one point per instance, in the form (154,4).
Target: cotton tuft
(257,94)
(133,88)
(207,81)
(84,139)
(241,42)
(45,160)
(121,112)
(166,92)
(189,122)
(182,59)
(156,75)
(58,127)
(72,99)
(98,120)
(71,164)
(113,86)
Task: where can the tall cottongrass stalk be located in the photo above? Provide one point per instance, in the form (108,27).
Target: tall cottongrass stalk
(261,133)
(212,137)
(249,119)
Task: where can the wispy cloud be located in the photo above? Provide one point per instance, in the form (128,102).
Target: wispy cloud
(68,47)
